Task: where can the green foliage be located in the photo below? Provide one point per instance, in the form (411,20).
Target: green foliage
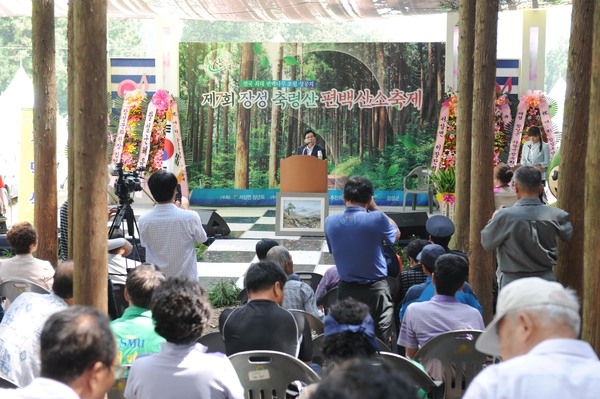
(223,293)
(6,253)
(451,5)
(409,142)
(258,48)
(556,63)
(444,180)
(200,249)
(124,40)
(347,167)
(291,61)
(15,48)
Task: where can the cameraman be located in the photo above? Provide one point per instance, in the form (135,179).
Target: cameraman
(168,232)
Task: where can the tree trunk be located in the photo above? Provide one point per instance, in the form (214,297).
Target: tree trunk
(591,273)
(44,127)
(464,116)
(534,4)
(90,198)
(275,122)
(481,272)
(569,270)
(382,116)
(70,127)
(210,123)
(361,129)
(243,122)
(225,145)
(292,120)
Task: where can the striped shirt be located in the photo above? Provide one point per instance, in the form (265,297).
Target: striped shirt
(169,235)
(299,295)
(425,320)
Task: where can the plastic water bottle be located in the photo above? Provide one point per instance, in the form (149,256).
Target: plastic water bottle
(320,154)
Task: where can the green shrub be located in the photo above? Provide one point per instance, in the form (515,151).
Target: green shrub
(200,248)
(6,253)
(222,294)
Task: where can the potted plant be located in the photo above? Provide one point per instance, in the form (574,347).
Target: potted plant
(444,181)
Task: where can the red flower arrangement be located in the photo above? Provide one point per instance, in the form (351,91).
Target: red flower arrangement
(501,114)
(161,99)
(448,157)
(132,139)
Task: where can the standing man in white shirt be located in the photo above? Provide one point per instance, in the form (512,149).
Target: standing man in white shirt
(535,331)
(168,232)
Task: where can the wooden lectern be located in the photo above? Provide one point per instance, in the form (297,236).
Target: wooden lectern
(303,174)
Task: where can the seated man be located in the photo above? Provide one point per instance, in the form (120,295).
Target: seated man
(182,368)
(330,280)
(23,239)
(263,246)
(262,324)
(296,294)
(118,249)
(413,275)
(425,291)
(134,331)
(78,355)
(118,265)
(22,323)
(536,332)
(364,379)
(407,278)
(425,320)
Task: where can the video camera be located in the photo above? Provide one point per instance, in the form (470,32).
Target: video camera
(127,182)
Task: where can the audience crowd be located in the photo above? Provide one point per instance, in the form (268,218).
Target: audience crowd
(52,349)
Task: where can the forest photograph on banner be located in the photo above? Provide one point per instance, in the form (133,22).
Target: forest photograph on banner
(373,106)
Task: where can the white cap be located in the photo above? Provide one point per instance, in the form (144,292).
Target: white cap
(521,294)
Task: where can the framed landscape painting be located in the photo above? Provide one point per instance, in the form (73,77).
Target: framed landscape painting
(301,214)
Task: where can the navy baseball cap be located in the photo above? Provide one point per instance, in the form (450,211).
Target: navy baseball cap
(439,226)
(429,255)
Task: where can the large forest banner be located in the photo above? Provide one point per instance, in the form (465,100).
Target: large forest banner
(373,106)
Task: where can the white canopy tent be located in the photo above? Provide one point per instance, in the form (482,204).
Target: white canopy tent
(309,11)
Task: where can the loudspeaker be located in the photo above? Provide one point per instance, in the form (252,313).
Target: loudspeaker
(410,224)
(214,224)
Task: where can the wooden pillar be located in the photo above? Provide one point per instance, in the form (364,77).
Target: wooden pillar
(44,127)
(569,270)
(466,44)
(481,271)
(89,151)
(591,237)
(70,126)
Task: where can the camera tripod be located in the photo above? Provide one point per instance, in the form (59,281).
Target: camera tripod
(124,216)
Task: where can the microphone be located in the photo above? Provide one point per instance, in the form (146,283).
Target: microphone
(304,151)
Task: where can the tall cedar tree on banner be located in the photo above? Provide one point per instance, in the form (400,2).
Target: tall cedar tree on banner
(243,122)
